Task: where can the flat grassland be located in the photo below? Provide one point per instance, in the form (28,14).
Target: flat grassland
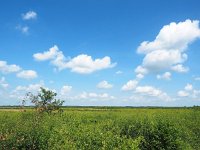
(107,128)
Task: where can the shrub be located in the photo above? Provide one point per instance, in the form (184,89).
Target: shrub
(157,134)
(45,101)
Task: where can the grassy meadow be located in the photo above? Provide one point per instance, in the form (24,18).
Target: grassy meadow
(106,128)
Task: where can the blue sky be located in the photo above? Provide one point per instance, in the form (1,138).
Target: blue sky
(108,52)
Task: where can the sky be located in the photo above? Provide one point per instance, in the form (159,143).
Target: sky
(101,52)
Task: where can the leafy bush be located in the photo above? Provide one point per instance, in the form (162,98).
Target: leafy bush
(156,135)
(45,101)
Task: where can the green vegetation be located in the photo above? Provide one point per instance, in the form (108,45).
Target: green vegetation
(44,101)
(101,128)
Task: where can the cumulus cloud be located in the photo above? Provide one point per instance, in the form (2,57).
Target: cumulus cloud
(104,85)
(3,83)
(188,87)
(167,51)
(82,64)
(196,94)
(94,96)
(5,68)
(139,76)
(180,68)
(29,15)
(165,76)
(190,92)
(182,93)
(141,70)
(47,55)
(30,88)
(175,36)
(65,90)
(160,60)
(151,91)
(20,91)
(85,64)
(130,85)
(27,74)
(145,92)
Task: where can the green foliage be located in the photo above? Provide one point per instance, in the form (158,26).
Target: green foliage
(157,134)
(45,101)
(101,129)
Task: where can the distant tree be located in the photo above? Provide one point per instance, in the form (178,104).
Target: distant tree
(45,101)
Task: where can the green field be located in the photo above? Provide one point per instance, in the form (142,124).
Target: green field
(101,128)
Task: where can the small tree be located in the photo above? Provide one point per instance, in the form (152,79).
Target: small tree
(45,101)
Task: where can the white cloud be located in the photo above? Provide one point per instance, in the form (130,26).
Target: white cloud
(175,36)
(30,88)
(180,68)
(188,87)
(183,93)
(196,94)
(29,15)
(20,91)
(104,85)
(47,55)
(23,29)
(190,92)
(141,70)
(27,74)
(21,88)
(165,76)
(82,64)
(119,72)
(85,64)
(3,83)
(65,90)
(151,91)
(160,60)
(139,76)
(5,68)
(94,96)
(130,85)
(167,51)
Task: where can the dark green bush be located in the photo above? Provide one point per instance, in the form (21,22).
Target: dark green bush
(28,131)
(157,134)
